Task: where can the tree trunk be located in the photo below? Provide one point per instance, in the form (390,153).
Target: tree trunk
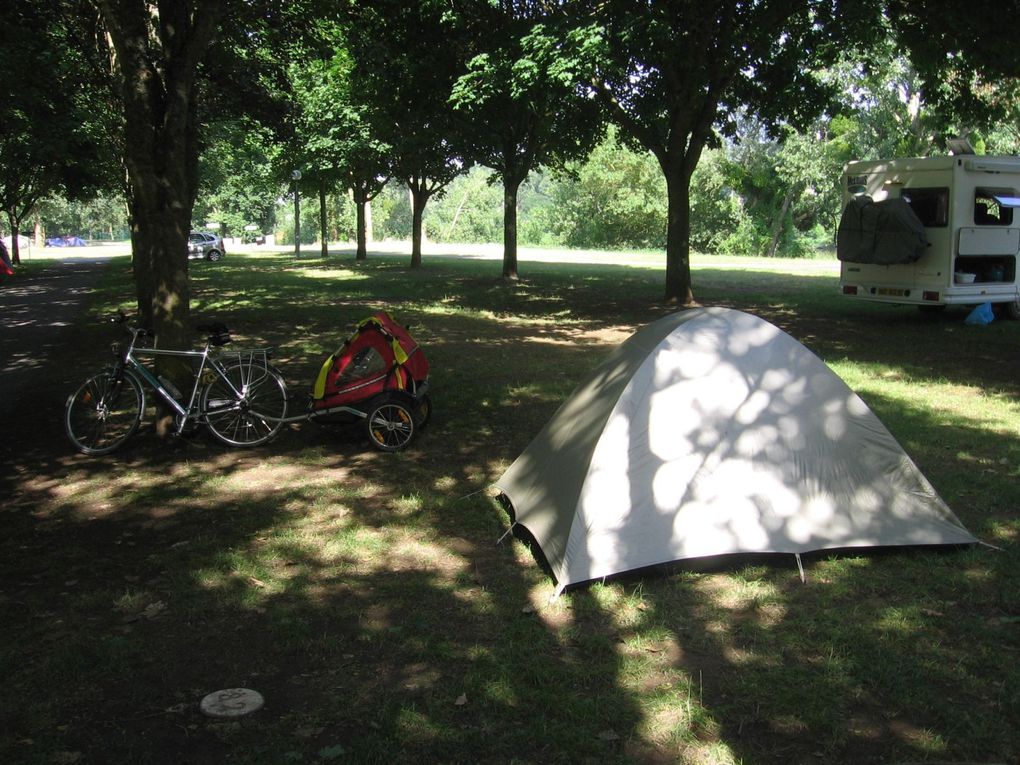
(419,198)
(510,188)
(323,234)
(678,239)
(362,225)
(159,239)
(15,252)
(297,221)
(163,289)
(367,212)
(778,223)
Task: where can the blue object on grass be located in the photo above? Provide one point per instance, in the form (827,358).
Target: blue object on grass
(983,314)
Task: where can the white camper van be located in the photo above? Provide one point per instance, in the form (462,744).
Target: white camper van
(934,231)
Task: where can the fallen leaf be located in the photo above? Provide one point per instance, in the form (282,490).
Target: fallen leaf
(609,735)
(528,609)
(461,700)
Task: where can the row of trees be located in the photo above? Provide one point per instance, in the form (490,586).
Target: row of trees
(358,95)
(754,196)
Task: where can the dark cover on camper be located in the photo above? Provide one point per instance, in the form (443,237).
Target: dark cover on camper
(884,233)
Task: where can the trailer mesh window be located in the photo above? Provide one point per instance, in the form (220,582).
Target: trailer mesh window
(931,206)
(988,207)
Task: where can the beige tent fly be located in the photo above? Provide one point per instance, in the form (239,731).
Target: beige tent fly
(712,432)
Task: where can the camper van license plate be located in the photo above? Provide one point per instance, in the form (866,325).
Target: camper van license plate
(891,292)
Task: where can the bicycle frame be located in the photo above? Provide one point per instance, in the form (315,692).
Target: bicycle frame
(208,361)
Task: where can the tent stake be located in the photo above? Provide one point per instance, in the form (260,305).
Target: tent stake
(506,533)
(800,567)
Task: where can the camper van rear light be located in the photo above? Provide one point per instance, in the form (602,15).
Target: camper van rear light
(933,296)
(849,289)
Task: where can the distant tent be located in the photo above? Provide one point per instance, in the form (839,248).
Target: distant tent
(712,432)
(65,241)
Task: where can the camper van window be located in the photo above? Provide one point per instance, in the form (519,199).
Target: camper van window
(931,206)
(987,209)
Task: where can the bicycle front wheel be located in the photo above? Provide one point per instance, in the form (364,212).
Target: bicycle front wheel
(104,412)
(247,407)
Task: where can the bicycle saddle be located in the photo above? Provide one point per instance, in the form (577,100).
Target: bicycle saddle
(217,332)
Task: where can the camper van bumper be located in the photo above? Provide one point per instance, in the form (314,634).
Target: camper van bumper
(933,295)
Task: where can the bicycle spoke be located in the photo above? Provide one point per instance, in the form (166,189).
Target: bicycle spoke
(390,425)
(246,407)
(104,412)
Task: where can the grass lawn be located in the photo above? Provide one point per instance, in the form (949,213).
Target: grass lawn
(365,597)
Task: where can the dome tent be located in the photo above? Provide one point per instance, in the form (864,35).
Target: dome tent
(711,432)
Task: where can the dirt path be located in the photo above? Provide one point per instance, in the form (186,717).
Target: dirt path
(42,317)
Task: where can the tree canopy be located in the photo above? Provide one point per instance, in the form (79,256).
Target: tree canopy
(56,131)
(967,63)
(672,73)
(406,60)
(522,94)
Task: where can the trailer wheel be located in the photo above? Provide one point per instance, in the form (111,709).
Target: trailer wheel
(1011,310)
(390,424)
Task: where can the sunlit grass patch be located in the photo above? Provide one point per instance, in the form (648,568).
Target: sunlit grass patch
(330,273)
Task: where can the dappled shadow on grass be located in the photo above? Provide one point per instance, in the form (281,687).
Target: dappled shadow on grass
(363,593)
(363,615)
(888,655)
(338,582)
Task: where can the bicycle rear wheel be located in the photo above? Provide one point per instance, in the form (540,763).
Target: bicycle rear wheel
(104,412)
(249,410)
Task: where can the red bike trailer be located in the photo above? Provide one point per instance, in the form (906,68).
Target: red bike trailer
(380,376)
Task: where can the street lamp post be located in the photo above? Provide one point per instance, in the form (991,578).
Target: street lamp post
(296,176)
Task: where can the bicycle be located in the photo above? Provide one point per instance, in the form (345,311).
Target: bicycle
(237,395)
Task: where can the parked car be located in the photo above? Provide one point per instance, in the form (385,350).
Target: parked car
(205,246)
